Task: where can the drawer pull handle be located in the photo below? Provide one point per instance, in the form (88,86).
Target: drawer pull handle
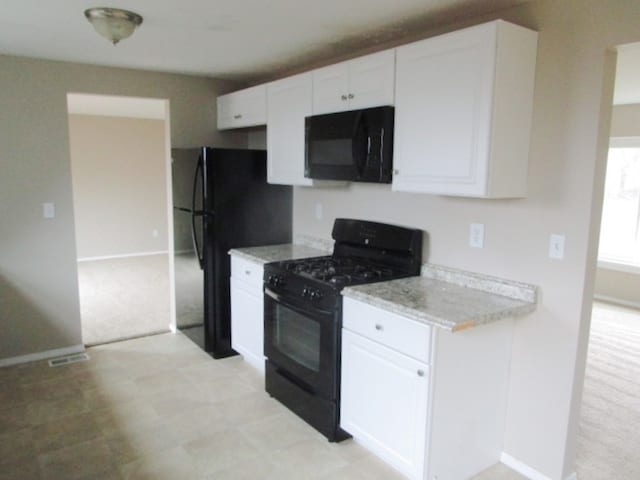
(237,116)
(421,373)
(379,327)
(247,272)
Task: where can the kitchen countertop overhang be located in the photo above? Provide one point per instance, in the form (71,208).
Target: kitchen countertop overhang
(453,300)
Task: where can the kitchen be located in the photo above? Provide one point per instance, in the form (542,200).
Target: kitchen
(548,348)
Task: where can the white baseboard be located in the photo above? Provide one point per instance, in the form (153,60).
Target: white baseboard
(32,357)
(617,301)
(124,255)
(524,469)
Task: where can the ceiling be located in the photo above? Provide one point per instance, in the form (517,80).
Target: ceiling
(244,40)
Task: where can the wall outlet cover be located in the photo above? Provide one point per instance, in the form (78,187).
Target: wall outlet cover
(556,246)
(48,210)
(476,235)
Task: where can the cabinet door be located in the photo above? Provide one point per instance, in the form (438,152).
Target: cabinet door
(247,328)
(289,101)
(443,107)
(372,80)
(384,401)
(224,110)
(331,89)
(244,108)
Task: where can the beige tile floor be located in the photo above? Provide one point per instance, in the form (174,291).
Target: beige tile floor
(159,408)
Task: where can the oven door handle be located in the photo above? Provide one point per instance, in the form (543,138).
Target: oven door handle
(298,308)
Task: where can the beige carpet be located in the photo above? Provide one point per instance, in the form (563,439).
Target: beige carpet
(123,298)
(609,439)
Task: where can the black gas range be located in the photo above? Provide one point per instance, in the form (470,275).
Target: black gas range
(303,314)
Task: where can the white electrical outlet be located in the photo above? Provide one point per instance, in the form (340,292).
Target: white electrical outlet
(476,235)
(318,211)
(48,210)
(556,246)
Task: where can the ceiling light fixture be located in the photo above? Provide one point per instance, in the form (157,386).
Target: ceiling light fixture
(113,24)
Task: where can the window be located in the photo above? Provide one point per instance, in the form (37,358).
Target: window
(620,229)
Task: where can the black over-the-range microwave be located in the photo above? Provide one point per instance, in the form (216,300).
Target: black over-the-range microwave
(356,145)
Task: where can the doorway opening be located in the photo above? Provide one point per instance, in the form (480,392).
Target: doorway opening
(608,439)
(120,164)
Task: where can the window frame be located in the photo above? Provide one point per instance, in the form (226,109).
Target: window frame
(609,264)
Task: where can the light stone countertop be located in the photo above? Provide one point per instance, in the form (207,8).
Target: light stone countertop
(276,253)
(451,305)
(444,297)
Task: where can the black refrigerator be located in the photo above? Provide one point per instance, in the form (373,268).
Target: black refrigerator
(221,200)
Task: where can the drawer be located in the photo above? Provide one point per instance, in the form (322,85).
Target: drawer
(390,329)
(247,271)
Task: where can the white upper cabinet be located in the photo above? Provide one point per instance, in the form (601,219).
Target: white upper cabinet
(244,108)
(463,107)
(359,83)
(289,101)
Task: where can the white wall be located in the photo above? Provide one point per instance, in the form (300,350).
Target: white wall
(39,308)
(119,178)
(569,139)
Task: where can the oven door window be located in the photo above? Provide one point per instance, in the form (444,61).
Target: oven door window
(297,337)
(304,343)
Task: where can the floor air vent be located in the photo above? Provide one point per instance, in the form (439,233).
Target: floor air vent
(76,357)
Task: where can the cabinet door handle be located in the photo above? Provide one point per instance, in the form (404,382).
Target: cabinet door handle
(237,116)
(421,373)
(247,272)
(351,95)
(343,97)
(379,327)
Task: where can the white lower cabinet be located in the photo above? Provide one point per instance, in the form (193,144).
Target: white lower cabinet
(384,401)
(247,311)
(430,403)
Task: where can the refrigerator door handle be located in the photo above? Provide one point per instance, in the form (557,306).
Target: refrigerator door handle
(197,213)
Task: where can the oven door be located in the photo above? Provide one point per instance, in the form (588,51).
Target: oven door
(302,342)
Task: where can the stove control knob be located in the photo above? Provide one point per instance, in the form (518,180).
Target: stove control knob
(305,292)
(316,295)
(275,280)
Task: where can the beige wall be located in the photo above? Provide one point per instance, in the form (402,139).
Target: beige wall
(569,139)
(625,120)
(119,179)
(39,307)
(613,284)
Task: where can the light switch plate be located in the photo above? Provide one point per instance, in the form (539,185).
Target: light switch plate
(556,246)
(48,210)
(476,235)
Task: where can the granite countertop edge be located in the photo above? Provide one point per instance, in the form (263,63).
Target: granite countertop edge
(506,299)
(423,316)
(303,246)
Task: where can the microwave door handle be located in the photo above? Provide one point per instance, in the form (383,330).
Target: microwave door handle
(381,153)
(360,156)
